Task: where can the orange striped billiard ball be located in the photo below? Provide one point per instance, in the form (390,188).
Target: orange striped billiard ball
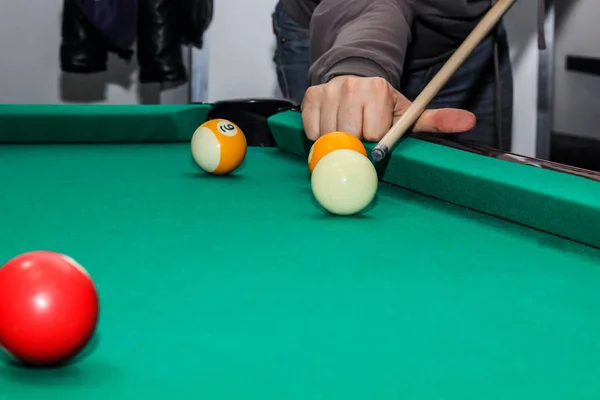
(333,141)
(218,146)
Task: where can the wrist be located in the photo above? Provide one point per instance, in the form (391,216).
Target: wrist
(356,67)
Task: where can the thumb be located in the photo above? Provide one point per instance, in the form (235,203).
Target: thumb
(443,120)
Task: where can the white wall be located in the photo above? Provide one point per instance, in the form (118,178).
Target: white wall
(521,26)
(30,36)
(239,51)
(577,95)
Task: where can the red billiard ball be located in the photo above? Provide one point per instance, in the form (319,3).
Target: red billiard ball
(48,308)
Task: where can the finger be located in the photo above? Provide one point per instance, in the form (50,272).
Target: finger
(378,115)
(350,116)
(311,118)
(401,104)
(445,120)
(329,111)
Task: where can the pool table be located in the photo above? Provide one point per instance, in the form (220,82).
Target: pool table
(474,275)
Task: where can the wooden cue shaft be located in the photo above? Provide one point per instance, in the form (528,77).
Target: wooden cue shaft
(411,115)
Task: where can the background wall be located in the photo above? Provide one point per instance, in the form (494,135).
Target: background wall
(236,63)
(30,70)
(521,26)
(240,48)
(577,95)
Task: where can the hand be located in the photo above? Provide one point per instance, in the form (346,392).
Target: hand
(368,107)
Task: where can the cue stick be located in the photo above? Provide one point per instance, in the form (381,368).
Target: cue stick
(406,121)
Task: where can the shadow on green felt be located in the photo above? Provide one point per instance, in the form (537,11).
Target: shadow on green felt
(92,373)
(87,350)
(72,372)
(324,214)
(205,175)
(197,172)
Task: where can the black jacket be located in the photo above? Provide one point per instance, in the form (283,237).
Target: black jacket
(161,28)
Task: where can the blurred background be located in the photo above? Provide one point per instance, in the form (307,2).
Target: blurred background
(557,91)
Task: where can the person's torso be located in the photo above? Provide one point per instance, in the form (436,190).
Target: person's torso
(439,26)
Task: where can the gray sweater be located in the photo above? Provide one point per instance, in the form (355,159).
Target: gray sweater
(382,37)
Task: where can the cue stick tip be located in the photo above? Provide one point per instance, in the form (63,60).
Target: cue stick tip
(378,153)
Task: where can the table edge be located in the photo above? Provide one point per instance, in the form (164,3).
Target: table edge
(555,202)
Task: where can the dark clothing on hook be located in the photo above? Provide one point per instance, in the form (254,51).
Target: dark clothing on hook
(91,29)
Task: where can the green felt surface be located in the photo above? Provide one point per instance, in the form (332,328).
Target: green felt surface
(99,123)
(554,202)
(241,288)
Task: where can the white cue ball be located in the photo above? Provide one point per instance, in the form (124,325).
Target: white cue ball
(344,182)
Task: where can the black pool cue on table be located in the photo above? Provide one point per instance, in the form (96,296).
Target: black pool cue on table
(407,120)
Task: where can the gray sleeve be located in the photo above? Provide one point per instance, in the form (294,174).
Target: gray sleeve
(360,37)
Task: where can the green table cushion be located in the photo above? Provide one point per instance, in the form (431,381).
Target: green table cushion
(99,123)
(558,203)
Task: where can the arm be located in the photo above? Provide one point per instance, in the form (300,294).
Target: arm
(358,49)
(366,38)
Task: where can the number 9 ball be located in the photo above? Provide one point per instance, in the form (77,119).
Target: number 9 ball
(218,146)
